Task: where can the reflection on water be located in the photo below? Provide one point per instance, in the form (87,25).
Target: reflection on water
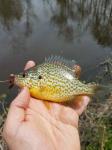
(102,22)
(19,37)
(30,15)
(10,10)
(74,17)
(33,29)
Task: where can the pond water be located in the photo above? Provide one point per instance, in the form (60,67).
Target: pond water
(35,29)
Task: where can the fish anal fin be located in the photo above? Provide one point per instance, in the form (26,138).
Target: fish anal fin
(77,102)
(47,104)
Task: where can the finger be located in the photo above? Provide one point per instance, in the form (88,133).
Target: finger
(16,113)
(38,106)
(29,64)
(81,104)
(64,114)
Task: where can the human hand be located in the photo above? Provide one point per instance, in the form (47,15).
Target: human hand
(31,126)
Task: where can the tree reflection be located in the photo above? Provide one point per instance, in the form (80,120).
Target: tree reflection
(19,38)
(61,18)
(74,17)
(30,15)
(10,10)
(102,23)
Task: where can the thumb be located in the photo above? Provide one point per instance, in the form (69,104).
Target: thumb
(16,114)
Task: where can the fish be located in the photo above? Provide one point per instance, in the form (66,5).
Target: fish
(54,80)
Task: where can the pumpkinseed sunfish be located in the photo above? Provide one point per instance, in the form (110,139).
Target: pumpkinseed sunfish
(54,80)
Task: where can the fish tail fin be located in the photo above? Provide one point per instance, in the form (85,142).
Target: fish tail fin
(93,87)
(99,89)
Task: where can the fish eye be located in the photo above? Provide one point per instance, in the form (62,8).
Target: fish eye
(24,74)
(40,77)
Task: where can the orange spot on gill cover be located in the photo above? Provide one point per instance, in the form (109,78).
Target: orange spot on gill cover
(77,70)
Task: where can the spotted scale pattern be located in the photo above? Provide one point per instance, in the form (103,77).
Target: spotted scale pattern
(53,82)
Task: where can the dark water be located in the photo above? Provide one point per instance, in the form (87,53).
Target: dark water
(33,29)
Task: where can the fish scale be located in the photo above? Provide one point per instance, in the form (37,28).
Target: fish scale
(53,81)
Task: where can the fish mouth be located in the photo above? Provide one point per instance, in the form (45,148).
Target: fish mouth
(11,80)
(18,82)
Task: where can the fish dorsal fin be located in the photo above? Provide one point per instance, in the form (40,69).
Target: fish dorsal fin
(60,61)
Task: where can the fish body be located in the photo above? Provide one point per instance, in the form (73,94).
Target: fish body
(53,81)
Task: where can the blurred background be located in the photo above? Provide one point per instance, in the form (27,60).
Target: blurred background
(35,29)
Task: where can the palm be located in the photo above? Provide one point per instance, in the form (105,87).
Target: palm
(54,125)
(32,125)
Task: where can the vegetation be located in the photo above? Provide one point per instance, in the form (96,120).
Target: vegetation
(72,19)
(96,126)
(96,122)
(3,114)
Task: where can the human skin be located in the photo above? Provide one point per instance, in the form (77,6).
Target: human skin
(31,125)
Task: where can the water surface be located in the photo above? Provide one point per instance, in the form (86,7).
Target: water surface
(35,29)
